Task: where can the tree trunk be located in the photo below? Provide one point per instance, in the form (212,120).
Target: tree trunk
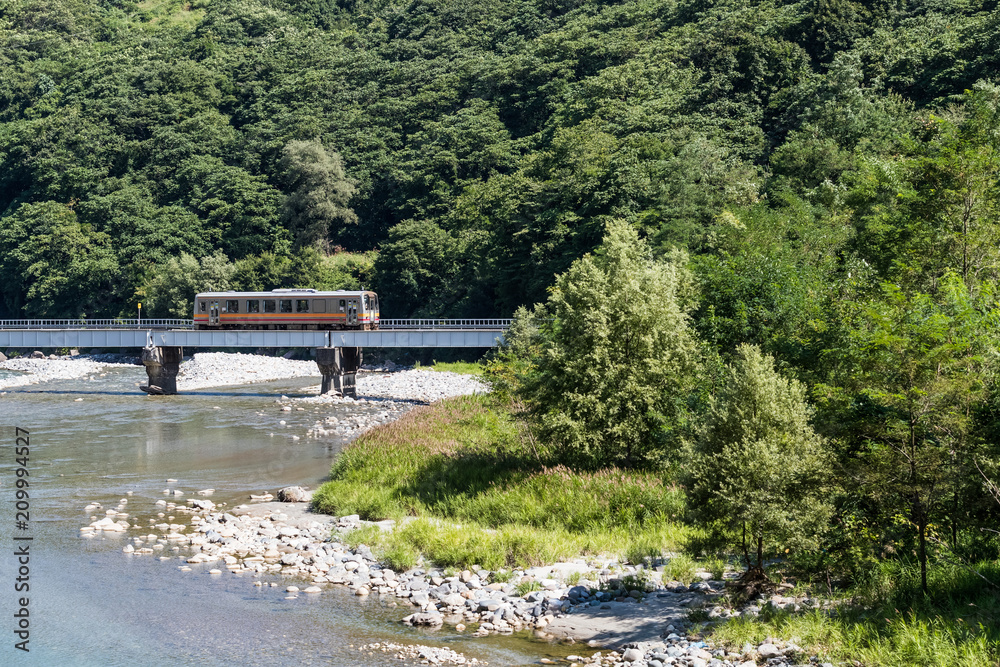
(746,553)
(921,542)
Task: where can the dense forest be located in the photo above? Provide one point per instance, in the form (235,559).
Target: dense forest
(456,155)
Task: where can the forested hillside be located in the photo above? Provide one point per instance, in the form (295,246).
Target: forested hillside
(796,149)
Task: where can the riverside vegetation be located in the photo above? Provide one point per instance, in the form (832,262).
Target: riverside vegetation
(465,461)
(614,428)
(457,155)
(441,464)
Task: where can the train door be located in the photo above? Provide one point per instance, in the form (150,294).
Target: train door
(352,312)
(213,313)
(368,311)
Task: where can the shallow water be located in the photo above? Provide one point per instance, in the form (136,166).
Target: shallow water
(90,604)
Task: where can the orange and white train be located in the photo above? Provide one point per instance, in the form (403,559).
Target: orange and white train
(286,309)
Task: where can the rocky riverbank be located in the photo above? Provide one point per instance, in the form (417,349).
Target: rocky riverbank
(410,385)
(627,611)
(219,369)
(205,369)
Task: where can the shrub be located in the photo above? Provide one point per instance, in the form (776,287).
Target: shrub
(526,587)
(716,566)
(679,568)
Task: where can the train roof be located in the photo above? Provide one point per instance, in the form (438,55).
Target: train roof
(278,293)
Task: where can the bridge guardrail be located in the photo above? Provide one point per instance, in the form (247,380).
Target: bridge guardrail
(489,324)
(118,323)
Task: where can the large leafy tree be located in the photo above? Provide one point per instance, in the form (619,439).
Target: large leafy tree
(618,356)
(170,292)
(319,193)
(239,209)
(760,474)
(934,210)
(414,269)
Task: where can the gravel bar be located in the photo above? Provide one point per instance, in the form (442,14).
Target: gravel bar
(218,369)
(58,368)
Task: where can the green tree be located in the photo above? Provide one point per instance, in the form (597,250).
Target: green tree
(170,293)
(239,210)
(51,265)
(618,356)
(760,474)
(911,369)
(770,277)
(319,193)
(414,269)
(934,210)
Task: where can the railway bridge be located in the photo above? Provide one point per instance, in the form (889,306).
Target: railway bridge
(338,352)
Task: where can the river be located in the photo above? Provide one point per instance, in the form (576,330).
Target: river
(90,604)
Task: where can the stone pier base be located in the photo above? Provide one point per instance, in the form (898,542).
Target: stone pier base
(162,365)
(339,367)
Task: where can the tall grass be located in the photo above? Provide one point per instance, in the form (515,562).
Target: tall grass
(680,568)
(892,624)
(463,461)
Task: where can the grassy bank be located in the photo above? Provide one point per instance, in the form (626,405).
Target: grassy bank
(892,624)
(467,462)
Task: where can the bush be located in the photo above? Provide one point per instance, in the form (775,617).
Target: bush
(716,566)
(679,568)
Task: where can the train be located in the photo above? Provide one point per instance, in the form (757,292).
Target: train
(287,309)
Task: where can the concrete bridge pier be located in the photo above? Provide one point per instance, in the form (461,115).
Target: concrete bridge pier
(339,367)
(162,365)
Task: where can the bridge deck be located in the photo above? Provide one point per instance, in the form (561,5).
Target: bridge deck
(146,324)
(121,337)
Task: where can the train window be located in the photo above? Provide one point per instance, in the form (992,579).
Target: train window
(232,306)
(343,304)
(285,305)
(319,305)
(368,304)
(302,305)
(203,306)
(269,306)
(253,305)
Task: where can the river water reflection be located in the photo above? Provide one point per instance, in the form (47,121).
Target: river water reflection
(90,604)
